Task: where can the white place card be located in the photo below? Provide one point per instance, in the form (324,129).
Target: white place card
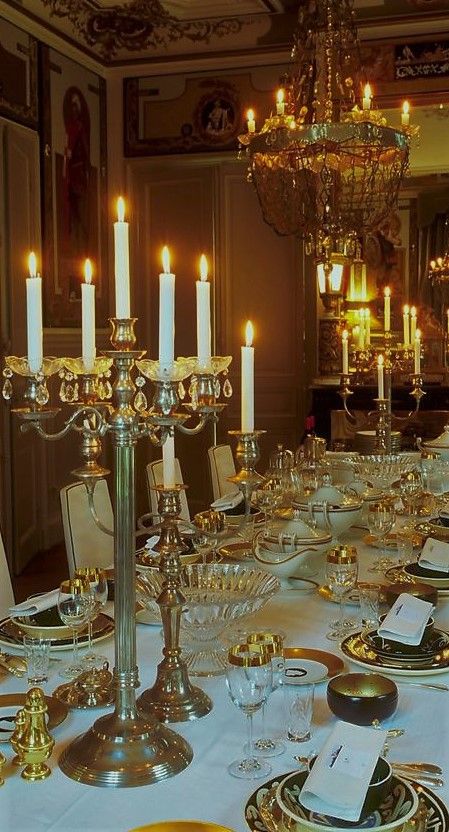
(435,555)
(406,620)
(339,780)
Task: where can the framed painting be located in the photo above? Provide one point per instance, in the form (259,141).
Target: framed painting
(194,113)
(74,188)
(18,75)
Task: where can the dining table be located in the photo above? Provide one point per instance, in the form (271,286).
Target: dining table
(205,790)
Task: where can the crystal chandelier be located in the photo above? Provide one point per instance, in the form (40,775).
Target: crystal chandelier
(324,168)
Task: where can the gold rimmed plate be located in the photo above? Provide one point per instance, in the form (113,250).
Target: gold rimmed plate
(318,664)
(390,541)
(11,702)
(433,577)
(397,652)
(11,633)
(181,826)
(398,574)
(240,551)
(355,649)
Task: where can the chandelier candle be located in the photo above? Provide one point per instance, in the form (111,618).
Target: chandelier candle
(367,97)
(34,316)
(248,381)
(88,318)
(361,340)
(280,103)
(405,115)
(168,462)
(121,252)
(387,301)
(380,377)
(251,121)
(345,352)
(406,325)
(203,334)
(417,352)
(367,327)
(166,313)
(413,321)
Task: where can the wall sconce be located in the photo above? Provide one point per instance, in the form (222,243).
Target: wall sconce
(330,276)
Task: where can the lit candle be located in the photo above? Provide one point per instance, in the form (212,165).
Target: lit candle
(367,96)
(406,324)
(121,251)
(412,324)
(251,123)
(247,403)
(387,299)
(363,282)
(280,103)
(405,115)
(168,462)
(380,377)
(361,342)
(34,316)
(355,332)
(88,317)
(351,293)
(203,315)
(367,327)
(166,313)
(345,351)
(417,352)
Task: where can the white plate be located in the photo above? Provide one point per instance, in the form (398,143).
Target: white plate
(307,672)
(82,640)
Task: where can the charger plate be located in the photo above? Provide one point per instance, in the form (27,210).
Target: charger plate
(241,551)
(332,665)
(439,580)
(399,575)
(11,702)
(11,634)
(360,654)
(437,641)
(437,817)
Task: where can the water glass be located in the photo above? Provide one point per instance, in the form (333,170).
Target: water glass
(272,643)
(404,544)
(298,706)
(369,607)
(37,655)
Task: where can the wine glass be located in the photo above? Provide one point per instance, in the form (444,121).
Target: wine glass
(98,586)
(273,644)
(341,575)
(381,519)
(249,679)
(74,608)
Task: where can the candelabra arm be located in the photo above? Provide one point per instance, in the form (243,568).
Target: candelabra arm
(90,488)
(32,421)
(417,393)
(198,428)
(344,393)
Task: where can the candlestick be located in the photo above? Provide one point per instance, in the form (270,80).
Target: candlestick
(417,352)
(247,404)
(251,121)
(406,325)
(168,462)
(345,350)
(88,318)
(121,251)
(203,333)
(405,115)
(34,316)
(280,103)
(380,377)
(387,300)
(413,321)
(367,96)
(166,312)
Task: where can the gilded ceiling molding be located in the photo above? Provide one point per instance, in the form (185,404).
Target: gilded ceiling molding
(141,24)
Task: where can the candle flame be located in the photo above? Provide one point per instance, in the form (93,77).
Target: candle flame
(120,209)
(418,335)
(249,334)
(387,292)
(367,93)
(406,107)
(250,115)
(87,271)
(203,267)
(345,335)
(166,260)
(413,311)
(280,96)
(380,360)
(32,264)
(406,309)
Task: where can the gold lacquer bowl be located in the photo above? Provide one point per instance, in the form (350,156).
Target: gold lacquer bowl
(361,698)
(181,826)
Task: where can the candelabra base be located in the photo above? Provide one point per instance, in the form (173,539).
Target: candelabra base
(119,752)
(173,698)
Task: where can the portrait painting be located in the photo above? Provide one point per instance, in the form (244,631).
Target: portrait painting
(18,75)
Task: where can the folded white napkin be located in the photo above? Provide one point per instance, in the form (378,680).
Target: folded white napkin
(33,605)
(435,555)
(227,501)
(150,542)
(338,782)
(406,620)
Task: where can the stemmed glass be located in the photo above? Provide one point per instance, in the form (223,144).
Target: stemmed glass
(74,607)
(381,519)
(273,644)
(98,586)
(341,575)
(249,679)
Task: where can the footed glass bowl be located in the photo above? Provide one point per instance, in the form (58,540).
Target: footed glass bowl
(216,594)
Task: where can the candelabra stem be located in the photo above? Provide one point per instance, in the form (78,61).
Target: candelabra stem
(172,698)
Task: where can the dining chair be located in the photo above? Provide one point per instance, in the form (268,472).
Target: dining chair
(85,542)
(221,464)
(7,599)
(155,476)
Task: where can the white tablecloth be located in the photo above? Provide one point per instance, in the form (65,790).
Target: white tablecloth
(205,790)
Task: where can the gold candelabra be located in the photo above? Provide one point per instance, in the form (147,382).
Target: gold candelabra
(130,746)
